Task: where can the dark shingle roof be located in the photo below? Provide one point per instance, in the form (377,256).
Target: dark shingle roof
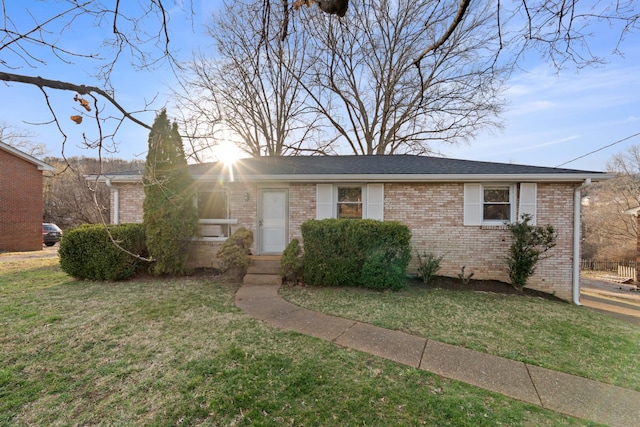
(411,167)
(374,165)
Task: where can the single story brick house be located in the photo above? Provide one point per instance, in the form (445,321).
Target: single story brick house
(21,202)
(454,208)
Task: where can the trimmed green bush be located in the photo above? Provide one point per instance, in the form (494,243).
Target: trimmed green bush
(87,252)
(234,252)
(346,252)
(291,263)
(380,272)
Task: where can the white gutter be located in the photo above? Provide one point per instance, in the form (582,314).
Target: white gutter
(116,202)
(576,240)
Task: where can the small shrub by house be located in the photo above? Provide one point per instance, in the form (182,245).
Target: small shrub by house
(87,252)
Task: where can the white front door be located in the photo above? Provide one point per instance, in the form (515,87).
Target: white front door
(273,212)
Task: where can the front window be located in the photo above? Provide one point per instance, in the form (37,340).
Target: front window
(350,202)
(496,203)
(213,205)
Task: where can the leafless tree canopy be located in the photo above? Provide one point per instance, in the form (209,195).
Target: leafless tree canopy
(250,85)
(21,139)
(388,77)
(127,35)
(367,84)
(139,35)
(609,232)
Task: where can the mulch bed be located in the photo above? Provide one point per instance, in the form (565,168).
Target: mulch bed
(494,286)
(442,282)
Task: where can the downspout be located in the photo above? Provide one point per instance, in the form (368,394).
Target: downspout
(116,202)
(576,240)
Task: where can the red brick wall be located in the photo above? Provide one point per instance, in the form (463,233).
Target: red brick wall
(20,204)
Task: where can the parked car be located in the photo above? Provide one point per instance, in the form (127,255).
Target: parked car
(51,234)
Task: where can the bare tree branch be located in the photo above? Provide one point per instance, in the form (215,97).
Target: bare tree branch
(365,83)
(251,87)
(81,89)
(460,14)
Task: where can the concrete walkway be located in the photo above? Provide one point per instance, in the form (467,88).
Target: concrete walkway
(567,394)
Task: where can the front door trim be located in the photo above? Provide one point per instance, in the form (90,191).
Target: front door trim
(275,228)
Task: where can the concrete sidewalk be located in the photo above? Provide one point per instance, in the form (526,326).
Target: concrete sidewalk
(567,394)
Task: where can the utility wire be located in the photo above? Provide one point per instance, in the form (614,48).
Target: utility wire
(600,149)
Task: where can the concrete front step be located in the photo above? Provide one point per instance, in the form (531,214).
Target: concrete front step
(264,270)
(262,279)
(264,265)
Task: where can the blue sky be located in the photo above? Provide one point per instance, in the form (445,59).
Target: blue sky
(554,118)
(550,118)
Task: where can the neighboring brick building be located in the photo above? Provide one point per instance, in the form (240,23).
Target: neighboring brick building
(20,200)
(455,208)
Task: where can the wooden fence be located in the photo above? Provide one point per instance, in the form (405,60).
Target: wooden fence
(621,268)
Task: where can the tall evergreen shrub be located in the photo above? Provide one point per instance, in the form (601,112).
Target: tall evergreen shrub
(170,216)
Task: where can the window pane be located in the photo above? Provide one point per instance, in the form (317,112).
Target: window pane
(349,194)
(349,202)
(496,195)
(350,210)
(496,212)
(212,205)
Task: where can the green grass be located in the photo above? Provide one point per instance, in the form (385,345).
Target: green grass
(178,352)
(553,335)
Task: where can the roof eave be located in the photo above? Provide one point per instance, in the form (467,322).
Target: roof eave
(118,179)
(559,177)
(42,166)
(309,178)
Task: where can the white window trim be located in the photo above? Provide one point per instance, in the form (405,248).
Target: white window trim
(363,194)
(474,203)
(372,200)
(512,203)
(215,221)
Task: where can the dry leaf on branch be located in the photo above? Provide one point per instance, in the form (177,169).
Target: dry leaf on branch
(298,3)
(82,102)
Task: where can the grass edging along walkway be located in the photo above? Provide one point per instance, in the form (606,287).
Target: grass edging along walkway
(179,352)
(553,335)
(568,394)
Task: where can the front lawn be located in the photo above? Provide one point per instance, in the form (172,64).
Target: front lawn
(551,334)
(178,352)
